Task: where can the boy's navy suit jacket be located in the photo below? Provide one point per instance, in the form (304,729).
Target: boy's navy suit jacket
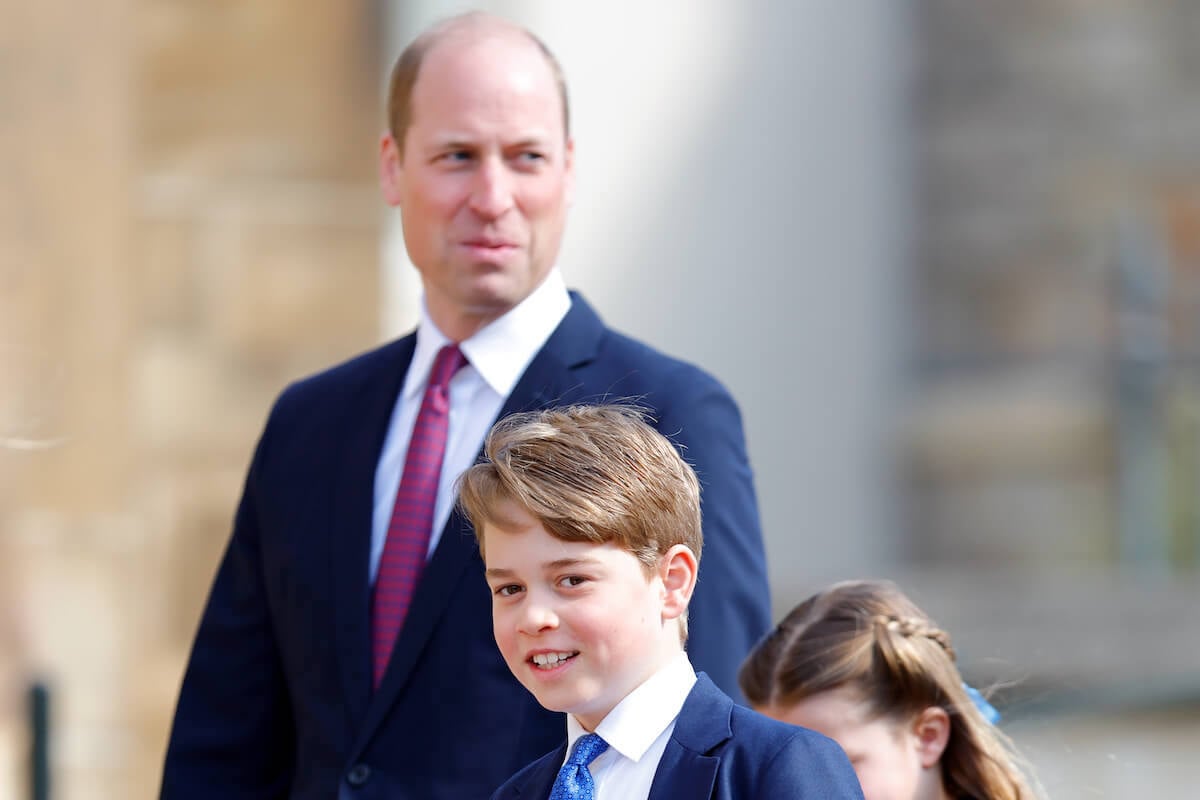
(277,700)
(722,751)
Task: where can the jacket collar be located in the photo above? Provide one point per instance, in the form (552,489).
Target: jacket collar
(689,764)
(688,767)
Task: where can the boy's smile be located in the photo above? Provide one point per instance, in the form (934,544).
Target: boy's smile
(548,661)
(579,624)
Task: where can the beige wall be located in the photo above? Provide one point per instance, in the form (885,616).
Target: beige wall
(188,219)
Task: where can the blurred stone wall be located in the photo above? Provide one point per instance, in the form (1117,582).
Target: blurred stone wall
(1058,145)
(188,220)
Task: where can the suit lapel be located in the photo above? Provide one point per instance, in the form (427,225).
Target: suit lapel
(688,767)
(437,584)
(546,381)
(350,522)
(683,773)
(536,780)
(549,379)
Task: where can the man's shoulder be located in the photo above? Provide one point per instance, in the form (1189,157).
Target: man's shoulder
(634,361)
(385,362)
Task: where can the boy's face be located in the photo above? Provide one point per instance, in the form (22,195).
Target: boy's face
(579,624)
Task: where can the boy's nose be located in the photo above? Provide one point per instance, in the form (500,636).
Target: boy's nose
(537,617)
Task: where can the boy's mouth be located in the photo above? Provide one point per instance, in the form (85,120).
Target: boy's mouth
(552,660)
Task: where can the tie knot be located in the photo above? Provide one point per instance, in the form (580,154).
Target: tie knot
(448,361)
(586,749)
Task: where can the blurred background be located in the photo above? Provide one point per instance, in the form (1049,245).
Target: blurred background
(946,256)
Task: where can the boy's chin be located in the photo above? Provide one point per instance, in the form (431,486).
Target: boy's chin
(557,701)
(551,701)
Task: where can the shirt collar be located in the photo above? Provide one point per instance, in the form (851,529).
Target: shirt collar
(502,349)
(633,725)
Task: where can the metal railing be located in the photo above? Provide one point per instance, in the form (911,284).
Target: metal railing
(39,742)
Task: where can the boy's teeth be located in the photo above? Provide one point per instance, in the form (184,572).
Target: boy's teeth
(550,659)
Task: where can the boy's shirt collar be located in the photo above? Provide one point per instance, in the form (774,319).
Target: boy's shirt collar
(638,720)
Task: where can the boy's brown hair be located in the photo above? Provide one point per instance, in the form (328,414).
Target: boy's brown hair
(587,474)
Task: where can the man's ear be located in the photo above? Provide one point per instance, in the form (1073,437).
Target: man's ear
(569,163)
(677,568)
(391,174)
(931,732)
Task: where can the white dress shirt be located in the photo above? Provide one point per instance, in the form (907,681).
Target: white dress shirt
(637,731)
(498,355)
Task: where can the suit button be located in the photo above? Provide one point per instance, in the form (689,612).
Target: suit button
(358,775)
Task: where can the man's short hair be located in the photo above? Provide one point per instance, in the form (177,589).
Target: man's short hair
(595,473)
(408,67)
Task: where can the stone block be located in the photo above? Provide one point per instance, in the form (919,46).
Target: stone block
(1011,470)
(300,288)
(168,285)
(186,404)
(251,89)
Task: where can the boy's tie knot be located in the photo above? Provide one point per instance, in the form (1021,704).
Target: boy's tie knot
(574,781)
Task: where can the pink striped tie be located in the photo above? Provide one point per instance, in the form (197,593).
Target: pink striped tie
(408,533)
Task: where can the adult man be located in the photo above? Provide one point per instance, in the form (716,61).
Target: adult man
(326,661)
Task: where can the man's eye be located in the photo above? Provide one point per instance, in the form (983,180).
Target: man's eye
(531,158)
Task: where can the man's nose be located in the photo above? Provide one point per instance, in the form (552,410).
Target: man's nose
(492,193)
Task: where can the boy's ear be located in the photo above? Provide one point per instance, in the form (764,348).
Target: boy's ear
(678,569)
(931,732)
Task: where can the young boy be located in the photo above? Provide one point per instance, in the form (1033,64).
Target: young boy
(589,525)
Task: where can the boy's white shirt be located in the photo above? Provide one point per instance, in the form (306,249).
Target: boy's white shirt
(637,731)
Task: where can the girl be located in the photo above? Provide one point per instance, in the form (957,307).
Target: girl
(862,664)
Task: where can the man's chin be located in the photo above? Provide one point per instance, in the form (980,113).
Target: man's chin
(495,294)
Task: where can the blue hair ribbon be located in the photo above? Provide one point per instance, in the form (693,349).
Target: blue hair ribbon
(988,711)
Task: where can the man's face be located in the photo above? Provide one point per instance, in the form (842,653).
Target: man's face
(484,179)
(579,624)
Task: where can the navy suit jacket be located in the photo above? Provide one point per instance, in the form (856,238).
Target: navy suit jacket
(723,751)
(276,701)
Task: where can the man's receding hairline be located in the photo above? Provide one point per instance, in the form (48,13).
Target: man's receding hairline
(514,35)
(469,27)
(479,26)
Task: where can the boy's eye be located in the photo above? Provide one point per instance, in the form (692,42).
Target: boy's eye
(572,580)
(507,590)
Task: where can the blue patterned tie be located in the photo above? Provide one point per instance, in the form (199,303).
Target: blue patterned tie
(574,781)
